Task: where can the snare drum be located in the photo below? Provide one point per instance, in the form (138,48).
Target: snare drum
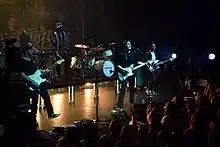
(106,67)
(107,54)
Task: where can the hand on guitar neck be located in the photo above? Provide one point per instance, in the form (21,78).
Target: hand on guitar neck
(45,71)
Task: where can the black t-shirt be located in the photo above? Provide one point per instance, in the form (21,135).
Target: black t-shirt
(125,59)
(24,40)
(28,67)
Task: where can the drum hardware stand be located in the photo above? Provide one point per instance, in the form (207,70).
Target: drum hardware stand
(96,96)
(83,68)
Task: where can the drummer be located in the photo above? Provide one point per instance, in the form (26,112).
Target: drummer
(95,52)
(92,45)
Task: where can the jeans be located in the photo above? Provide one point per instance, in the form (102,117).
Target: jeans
(152,80)
(45,95)
(131,81)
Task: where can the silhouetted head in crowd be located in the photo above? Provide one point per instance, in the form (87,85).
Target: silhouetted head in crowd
(150,107)
(152,117)
(115,129)
(169,108)
(105,141)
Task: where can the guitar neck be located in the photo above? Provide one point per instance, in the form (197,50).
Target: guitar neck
(52,66)
(139,66)
(162,62)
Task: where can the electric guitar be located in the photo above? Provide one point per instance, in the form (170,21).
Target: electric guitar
(38,76)
(154,64)
(126,72)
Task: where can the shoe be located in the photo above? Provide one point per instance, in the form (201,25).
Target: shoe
(54,116)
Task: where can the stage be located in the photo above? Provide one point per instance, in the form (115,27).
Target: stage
(84,106)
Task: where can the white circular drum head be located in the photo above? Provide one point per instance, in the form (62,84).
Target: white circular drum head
(108,69)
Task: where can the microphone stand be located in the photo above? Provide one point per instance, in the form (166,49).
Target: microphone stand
(96,88)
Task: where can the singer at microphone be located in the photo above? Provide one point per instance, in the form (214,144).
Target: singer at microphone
(126,58)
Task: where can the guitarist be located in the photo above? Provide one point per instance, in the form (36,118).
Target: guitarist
(127,57)
(29,67)
(25,41)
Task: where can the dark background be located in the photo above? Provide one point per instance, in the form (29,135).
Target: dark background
(187,27)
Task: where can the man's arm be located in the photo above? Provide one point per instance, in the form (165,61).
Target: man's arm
(30,45)
(66,41)
(45,70)
(25,77)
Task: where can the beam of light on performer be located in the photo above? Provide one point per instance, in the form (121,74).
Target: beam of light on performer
(174,56)
(211,56)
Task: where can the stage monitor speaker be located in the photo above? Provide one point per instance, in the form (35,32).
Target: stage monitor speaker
(5,99)
(19,93)
(2,61)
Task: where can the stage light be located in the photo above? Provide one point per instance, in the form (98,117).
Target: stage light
(211,56)
(174,56)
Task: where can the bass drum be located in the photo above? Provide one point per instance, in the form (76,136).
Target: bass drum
(106,67)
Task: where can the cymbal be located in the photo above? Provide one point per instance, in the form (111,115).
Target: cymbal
(112,43)
(98,49)
(82,46)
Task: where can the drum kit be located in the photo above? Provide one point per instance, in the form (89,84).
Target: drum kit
(95,58)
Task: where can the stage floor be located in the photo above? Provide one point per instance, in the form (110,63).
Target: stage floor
(84,107)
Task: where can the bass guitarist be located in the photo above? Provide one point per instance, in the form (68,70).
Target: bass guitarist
(152,76)
(127,57)
(29,67)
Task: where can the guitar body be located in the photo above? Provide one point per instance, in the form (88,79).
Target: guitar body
(124,73)
(37,78)
(152,66)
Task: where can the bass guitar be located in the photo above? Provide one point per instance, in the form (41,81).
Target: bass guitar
(154,64)
(38,76)
(126,72)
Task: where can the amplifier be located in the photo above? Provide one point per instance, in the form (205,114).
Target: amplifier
(2,60)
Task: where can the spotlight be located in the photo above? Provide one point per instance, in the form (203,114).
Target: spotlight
(174,56)
(211,56)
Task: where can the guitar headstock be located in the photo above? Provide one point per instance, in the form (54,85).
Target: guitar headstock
(60,61)
(172,59)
